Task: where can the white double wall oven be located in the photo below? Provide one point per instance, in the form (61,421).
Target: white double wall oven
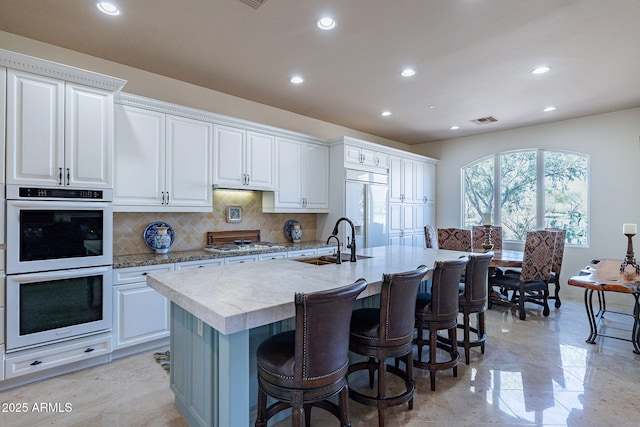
(59,264)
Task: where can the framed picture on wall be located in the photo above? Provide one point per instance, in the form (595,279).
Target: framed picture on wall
(234,213)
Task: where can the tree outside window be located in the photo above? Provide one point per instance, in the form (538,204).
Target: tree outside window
(537,189)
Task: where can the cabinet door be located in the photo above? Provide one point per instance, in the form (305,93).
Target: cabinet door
(419,172)
(88,137)
(395,179)
(382,160)
(260,161)
(316,177)
(395,218)
(229,155)
(189,145)
(139,155)
(430,183)
(35,129)
(141,315)
(289,158)
(352,154)
(408,190)
(3,124)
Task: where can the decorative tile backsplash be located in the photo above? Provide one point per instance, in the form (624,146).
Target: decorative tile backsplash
(191,228)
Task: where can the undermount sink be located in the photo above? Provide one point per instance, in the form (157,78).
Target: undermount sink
(329,259)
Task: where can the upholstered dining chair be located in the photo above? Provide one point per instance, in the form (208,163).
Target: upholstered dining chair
(556,265)
(304,367)
(474,300)
(438,310)
(455,239)
(386,332)
(532,283)
(478,232)
(430,237)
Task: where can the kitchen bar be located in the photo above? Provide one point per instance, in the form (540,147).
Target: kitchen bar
(243,305)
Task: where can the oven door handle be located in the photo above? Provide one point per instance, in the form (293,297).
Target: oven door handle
(59,274)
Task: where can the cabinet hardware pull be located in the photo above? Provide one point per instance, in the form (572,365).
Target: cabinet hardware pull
(68,177)
(377,161)
(167,197)
(163,197)
(35,363)
(89,350)
(59,176)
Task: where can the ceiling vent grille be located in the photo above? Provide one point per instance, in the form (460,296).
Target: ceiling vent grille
(484,120)
(254,3)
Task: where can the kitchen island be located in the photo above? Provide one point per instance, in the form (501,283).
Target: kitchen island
(219,315)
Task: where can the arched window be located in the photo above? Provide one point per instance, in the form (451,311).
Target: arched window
(528,190)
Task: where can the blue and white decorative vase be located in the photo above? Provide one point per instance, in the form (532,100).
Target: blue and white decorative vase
(296,233)
(161,241)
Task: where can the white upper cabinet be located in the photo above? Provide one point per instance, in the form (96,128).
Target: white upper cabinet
(243,159)
(162,162)
(425,178)
(359,157)
(58,133)
(302,178)
(401,180)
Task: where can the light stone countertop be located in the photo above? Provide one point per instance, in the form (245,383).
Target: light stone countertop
(233,298)
(139,260)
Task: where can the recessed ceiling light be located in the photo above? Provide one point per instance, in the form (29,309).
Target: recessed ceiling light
(408,72)
(385,113)
(326,23)
(108,8)
(540,70)
(431,107)
(296,80)
(549,108)
(455,127)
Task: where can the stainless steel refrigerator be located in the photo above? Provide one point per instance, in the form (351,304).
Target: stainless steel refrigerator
(367,206)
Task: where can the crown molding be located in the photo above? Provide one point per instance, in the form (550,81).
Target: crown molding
(31,64)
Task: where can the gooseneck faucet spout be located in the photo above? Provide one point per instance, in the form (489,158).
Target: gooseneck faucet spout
(351,245)
(338,258)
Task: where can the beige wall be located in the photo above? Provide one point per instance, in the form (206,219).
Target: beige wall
(611,140)
(155,86)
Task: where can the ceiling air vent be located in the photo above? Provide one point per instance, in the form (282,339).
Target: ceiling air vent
(254,3)
(484,120)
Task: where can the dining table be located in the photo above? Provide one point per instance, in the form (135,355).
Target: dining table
(502,259)
(600,277)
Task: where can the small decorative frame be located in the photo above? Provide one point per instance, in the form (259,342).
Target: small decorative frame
(234,213)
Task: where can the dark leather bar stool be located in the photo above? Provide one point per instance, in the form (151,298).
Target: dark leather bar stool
(474,300)
(387,333)
(438,310)
(304,367)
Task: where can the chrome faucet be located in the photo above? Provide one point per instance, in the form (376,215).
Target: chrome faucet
(338,258)
(351,245)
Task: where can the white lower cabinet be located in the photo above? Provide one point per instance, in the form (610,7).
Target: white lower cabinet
(140,314)
(302,253)
(188,265)
(241,259)
(50,356)
(274,255)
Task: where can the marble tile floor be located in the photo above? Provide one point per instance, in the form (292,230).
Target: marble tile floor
(537,372)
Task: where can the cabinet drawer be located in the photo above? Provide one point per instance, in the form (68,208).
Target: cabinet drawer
(122,276)
(241,259)
(199,264)
(275,255)
(301,253)
(39,359)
